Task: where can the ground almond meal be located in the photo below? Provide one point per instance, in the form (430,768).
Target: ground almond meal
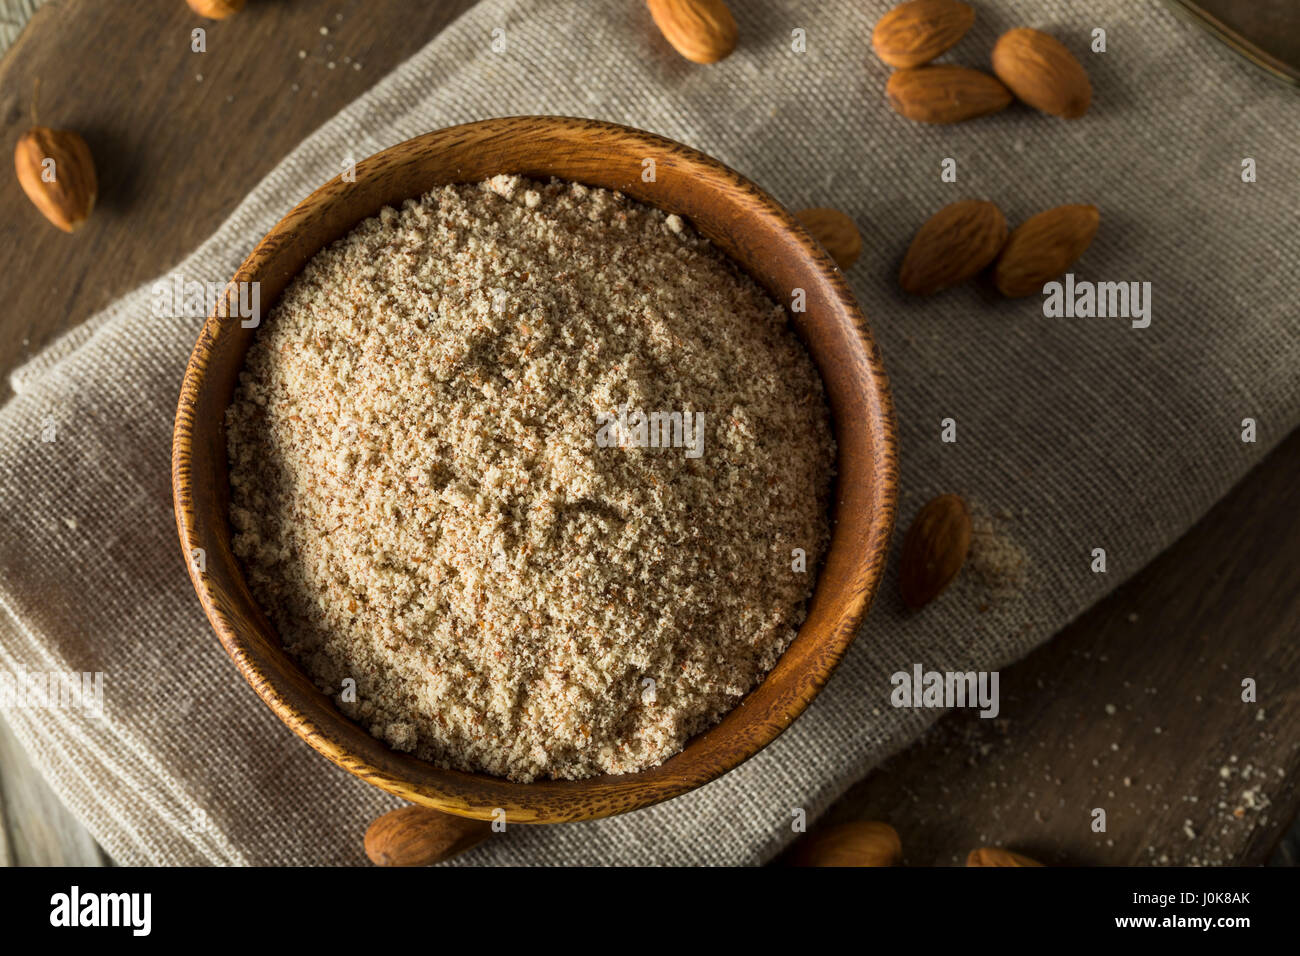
(422,505)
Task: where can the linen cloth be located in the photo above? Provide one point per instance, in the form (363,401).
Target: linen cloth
(14,15)
(1074,433)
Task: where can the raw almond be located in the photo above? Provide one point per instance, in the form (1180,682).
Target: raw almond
(945,94)
(864,843)
(953,245)
(994,856)
(419,836)
(836,231)
(916,32)
(216,9)
(1044,246)
(703,31)
(1042,72)
(57,173)
(934,550)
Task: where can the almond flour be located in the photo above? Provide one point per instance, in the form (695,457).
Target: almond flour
(424,511)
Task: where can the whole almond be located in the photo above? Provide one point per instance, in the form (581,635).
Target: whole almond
(1044,246)
(916,32)
(994,856)
(419,836)
(216,9)
(953,245)
(836,231)
(1042,72)
(864,843)
(57,173)
(945,94)
(934,550)
(703,31)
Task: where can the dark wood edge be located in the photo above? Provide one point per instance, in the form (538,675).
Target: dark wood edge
(1240,44)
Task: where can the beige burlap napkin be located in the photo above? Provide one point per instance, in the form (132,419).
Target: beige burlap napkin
(14,15)
(1073,433)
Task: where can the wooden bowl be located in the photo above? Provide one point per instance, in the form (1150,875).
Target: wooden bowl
(760,235)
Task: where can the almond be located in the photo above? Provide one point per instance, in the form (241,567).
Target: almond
(934,550)
(945,94)
(835,231)
(57,173)
(993,856)
(864,843)
(703,31)
(1042,72)
(216,9)
(953,245)
(916,32)
(419,836)
(1044,246)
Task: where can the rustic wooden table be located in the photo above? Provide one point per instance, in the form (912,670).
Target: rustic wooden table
(1128,713)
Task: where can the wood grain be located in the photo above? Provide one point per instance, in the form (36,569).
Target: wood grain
(739,218)
(1266,32)
(1187,771)
(174,155)
(35,828)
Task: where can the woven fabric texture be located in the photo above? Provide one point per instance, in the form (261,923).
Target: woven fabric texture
(14,15)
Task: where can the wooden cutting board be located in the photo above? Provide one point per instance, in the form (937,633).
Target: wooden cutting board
(176,153)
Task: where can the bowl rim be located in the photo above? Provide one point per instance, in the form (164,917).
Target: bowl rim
(476,794)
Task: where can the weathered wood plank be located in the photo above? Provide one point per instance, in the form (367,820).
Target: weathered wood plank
(174,153)
(1135,708)
(39,830)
